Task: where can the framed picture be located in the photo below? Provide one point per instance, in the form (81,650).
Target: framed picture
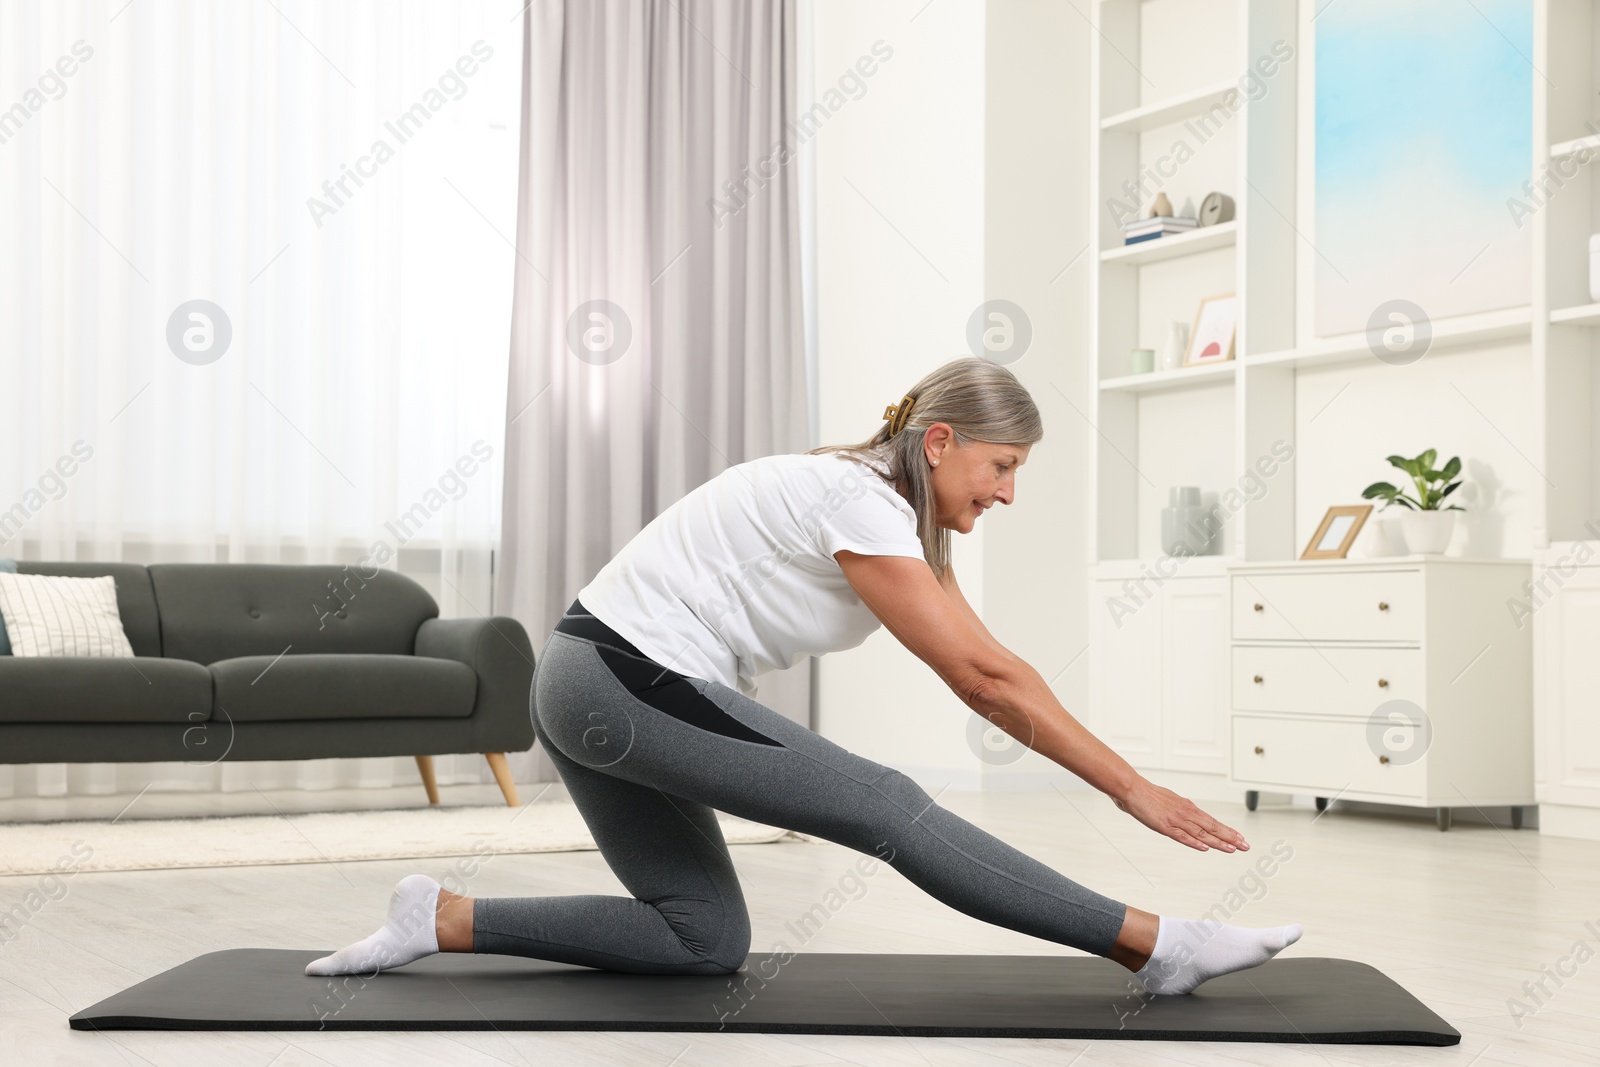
(1211,339)
(1365,125)
(1337,532)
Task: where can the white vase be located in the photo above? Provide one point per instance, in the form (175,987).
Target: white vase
(1428,532)
(1173,348)
(1374,541)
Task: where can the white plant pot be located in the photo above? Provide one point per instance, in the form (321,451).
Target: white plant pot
(1428,532)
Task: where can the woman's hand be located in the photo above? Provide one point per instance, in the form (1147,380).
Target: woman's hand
(1167,813)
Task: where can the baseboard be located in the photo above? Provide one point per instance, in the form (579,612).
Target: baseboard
(967,780)
(1569,820)
(1199,785)
(942,779)
(1033,781)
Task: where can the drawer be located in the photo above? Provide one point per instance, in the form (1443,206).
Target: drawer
(1326,680)
(1328,605)
(1326,758)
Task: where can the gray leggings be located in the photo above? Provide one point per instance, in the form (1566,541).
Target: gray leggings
(647,779)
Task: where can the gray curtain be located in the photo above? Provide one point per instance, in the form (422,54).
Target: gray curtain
(657,329)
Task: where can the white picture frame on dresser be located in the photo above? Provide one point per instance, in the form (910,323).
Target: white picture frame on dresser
(1400,681)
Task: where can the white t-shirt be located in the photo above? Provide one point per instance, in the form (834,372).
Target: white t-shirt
(738,577)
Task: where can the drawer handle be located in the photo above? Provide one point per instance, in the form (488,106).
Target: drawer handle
(1258,679)
(1383,683)
(1383,759)
(1383,605)
(1260,751)
(1258,607)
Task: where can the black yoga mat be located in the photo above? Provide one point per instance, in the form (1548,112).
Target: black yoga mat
(1303,999)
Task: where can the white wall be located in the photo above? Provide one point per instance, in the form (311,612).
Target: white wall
(958,176)
(1473,402)
(1037,229)
(899,208)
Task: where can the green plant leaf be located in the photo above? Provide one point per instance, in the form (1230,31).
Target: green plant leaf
(1428,480)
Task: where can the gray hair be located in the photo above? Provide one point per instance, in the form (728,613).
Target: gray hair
(980,401)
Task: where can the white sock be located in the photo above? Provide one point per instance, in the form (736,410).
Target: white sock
(1188,952)
(406,935)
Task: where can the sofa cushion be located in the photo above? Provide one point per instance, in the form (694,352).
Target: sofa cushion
(55,615)
(63,689)
(217,611)
(136,601)
(351,686)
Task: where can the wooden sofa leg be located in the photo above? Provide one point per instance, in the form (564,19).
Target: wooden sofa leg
(425,766)
(502,774)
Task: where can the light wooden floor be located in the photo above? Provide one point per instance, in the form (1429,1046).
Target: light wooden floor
(1460,919)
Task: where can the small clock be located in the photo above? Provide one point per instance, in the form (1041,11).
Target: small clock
(1215,208)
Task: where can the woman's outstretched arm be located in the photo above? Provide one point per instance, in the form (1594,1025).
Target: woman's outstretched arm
(1017,700)
(934,622)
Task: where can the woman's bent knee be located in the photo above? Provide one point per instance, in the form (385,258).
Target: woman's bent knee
(714,966)
(726,958)
(715,934)
(729,953)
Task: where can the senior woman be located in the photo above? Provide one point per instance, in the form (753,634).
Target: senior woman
(641,700)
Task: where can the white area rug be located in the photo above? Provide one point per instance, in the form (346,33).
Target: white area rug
(254,840)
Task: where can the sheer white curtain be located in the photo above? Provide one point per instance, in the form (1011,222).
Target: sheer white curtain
(658,335)
(338,182)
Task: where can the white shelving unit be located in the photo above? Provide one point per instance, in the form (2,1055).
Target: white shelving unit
(1565,339)
(1165,72)
(1566,344)
(1166,81)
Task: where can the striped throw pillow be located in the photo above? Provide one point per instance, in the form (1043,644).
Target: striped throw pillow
(50,615)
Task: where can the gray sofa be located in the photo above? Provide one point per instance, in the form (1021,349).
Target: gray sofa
(270,662)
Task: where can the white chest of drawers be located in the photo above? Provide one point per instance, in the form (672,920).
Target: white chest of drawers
(1404,681)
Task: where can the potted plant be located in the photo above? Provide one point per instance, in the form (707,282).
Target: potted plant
(1427,524)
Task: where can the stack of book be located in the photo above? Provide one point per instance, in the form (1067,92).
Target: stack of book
(1137,230)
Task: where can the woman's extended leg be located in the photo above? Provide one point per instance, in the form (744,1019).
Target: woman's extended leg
(1168,954)
(625,717)
(704,741)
